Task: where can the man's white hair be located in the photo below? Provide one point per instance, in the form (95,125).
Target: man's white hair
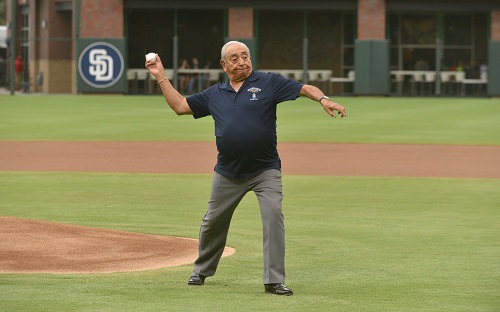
(224,48)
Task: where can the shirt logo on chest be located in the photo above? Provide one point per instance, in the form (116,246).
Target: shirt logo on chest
(254,92)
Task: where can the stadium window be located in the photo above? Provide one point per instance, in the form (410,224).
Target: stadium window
(418,29)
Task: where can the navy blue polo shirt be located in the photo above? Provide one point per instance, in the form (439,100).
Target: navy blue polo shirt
(245,121)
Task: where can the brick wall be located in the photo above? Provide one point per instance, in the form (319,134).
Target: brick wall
(371,19)
(101,19)
(495,26)
(240,23)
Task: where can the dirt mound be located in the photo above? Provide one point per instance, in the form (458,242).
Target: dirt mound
(33,246)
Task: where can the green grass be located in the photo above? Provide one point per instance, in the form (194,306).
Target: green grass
(97,118)
(353,243)
(141,118)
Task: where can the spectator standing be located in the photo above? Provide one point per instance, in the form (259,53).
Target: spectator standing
(193,79)
(184,78)
(19,70)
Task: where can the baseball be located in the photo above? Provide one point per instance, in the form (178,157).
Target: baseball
(151,57)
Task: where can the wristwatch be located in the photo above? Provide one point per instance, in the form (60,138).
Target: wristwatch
(323,97)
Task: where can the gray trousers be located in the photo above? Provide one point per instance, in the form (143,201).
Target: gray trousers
(226,195)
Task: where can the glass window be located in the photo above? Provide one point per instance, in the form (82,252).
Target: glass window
(324,35)
(456,59)
(394,29)
(25,36)
(142,40)
(349,35)
(394,58)
(418,29)
(280,47)
(458,29)
(348,56)
(349,28)
(425,59)
(201,36)
(25,28)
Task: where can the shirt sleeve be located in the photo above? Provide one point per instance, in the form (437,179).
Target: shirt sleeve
(285,89)
(199,103)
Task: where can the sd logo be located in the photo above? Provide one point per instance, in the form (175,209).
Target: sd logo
(100,65)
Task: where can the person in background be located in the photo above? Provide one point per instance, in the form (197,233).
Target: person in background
(184,78)
(193,80)
(19,70)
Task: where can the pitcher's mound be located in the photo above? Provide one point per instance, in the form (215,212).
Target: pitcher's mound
(33,246)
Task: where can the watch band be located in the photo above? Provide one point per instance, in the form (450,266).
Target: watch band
(322,98)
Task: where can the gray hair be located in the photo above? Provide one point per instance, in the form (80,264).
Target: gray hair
(223,50)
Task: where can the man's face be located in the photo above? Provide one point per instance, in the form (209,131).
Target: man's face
(237,64)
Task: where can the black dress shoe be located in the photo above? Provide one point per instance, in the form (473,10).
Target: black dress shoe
(196,279)
(278,289)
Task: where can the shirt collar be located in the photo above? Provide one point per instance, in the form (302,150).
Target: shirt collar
(253,76)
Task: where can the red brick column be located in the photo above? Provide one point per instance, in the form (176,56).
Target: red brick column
(371,50)
(495,25)
(493,52)
(101,19)
(240,23)
(371,19)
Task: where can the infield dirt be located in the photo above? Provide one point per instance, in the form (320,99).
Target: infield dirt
(32,246)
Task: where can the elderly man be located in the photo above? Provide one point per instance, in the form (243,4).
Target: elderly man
(244,111)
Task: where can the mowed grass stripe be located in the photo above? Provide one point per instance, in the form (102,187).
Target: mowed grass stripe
(469,121)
